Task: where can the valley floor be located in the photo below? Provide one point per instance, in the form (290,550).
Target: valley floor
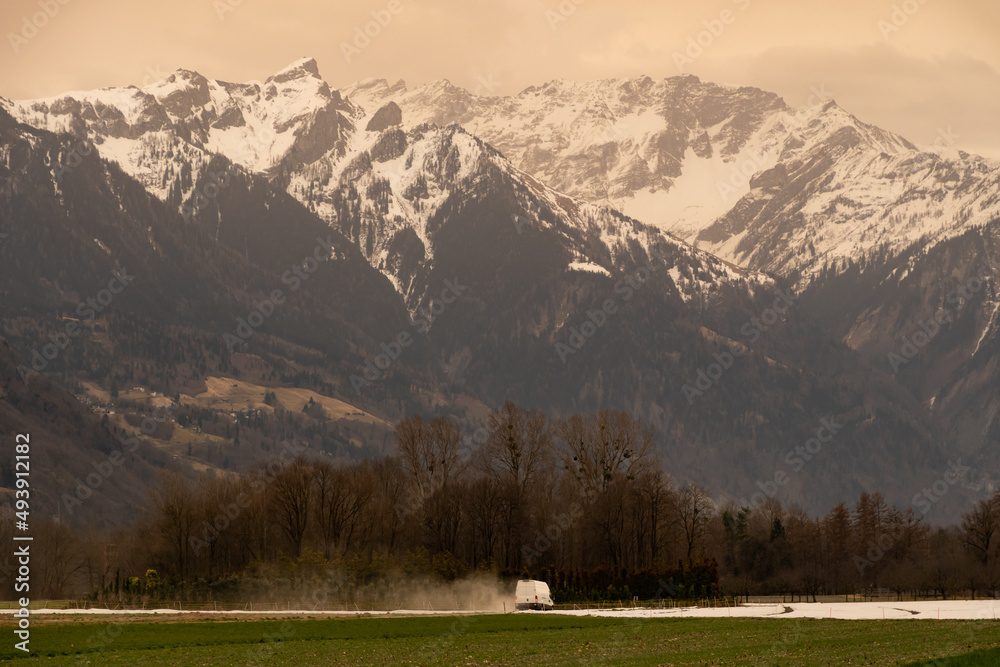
(521,639)
(969,610)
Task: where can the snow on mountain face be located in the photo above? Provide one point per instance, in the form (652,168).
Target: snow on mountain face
(290,119)
(839,191)
(733,170)
(381,185)
(637,144)
(392,184)
(388,195)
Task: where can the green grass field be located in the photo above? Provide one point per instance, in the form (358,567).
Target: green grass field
(506,640)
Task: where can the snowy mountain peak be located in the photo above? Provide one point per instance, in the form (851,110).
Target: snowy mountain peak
(378,87)
(735,169)
(303,67)
(440,85)
(396,189)
(180,93)
(181,74)
(369,94)
(169,129)
(832,125)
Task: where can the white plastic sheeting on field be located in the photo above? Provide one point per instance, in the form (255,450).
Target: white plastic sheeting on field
(924,609)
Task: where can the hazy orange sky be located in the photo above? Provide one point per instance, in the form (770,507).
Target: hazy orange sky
(924,68)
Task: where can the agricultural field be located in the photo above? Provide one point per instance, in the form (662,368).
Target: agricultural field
(513,639)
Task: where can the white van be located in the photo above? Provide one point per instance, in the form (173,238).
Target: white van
(532,594)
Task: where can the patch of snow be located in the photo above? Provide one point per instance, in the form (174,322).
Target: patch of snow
(589,267)
(920,610)
(990,326)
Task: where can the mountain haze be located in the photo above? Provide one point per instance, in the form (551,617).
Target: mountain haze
(576,246)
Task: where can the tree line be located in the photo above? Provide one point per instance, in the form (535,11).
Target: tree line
(582,502)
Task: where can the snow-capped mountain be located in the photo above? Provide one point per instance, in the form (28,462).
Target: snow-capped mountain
(558,300)
(164,134)
(390,195)
(627,143)
(932,317)
(355,167)
(837,194)
(734,170)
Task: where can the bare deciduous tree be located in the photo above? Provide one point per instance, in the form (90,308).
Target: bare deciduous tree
(518,447)
(981,536)
(290,500)
(429,452)
(692,512)
(174,502)
(598,448)
(342,495)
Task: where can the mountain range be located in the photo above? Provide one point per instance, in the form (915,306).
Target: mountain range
(736,272)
